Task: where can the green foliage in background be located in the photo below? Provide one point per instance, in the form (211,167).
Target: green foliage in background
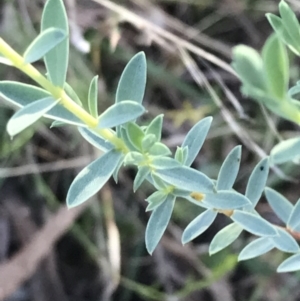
(124,141)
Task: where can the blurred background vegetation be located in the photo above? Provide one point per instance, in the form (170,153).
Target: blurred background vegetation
(97,251)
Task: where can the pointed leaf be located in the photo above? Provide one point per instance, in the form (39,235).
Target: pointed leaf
(159,149)
(257,182)
(285,151)
(95,140)
(43,43)
(187,179)
(279,204)
(22,94)
(256,248)
(156,199)
(92,178)
(294,219)
(120,113)
(195,139)
(229,169)
(198,225)
(155,127)
(133,80)
(93,97)
(225,200)
(158,223)
(285,242)
(29,114)
(147,142)
(56,60)
(140,177)
(72,94)
(224,238)
(291,264)
(135,135)
(164,163)
(253,223)
(276,66)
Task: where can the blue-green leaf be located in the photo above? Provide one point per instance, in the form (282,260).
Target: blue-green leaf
(29,114)
(43,43)
(72,94)
(253,223)
(135,135)
(225,200)
(133,80)
(93,97)
(279,204)
(158,223)
(291,264)
(120,113)
(140,177)
(285,151)
(256,248)
(294,219)
(257,182)
(229,169)
(276,66)
(56,60)
(22,94)
(147,142)
(224,238)
(95,140)
(164,163)
(187,179)
(285,242)
(155,127)
(195,139)
(159,149)
(92,178)
(198,225)
(156,199)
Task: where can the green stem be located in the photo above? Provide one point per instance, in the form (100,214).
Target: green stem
(58,93)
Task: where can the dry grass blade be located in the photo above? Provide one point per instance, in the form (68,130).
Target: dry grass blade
(153,30)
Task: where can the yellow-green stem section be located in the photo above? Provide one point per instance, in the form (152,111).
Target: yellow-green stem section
(58,93)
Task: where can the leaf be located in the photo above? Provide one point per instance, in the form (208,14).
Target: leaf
(276,66)
(224,238)
(257,182)
(147,142)
(117,169)
(126,139)
(187,179)
(290,21)
(294,220)
(256,248)
(22,94)
(156,199)
(198,225)
(5,61)
(157,182)
(249,66)
(43,43)
(120,113)
(158,223)
(95,139)
(291,264)
(29,114)
(140,177)
(253,223)
(92,178)
(282,32)
(56,60)
(72,94)
(135,135)
(159,149)
(155,127)
(93,97)
(195,139)
(285,242)
(285,151)
(164,163)
(279,204)
(225,200)
(133,80)
(229,169)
